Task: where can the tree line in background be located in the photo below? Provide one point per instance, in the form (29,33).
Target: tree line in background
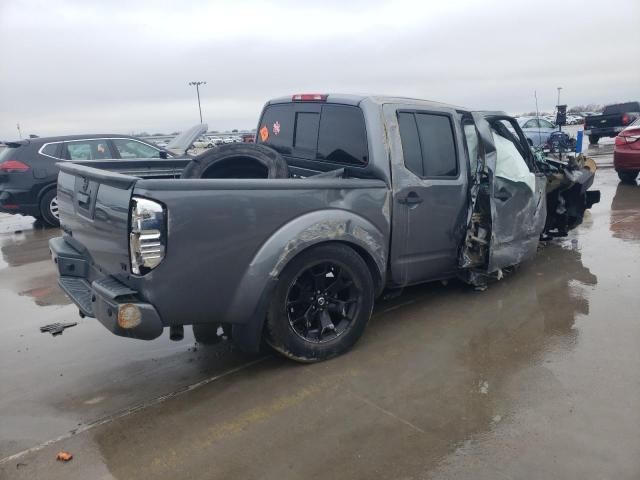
(591,107)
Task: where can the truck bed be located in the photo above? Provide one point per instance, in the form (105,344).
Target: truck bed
(259,217)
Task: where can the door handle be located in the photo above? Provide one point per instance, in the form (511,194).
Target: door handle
(411,198)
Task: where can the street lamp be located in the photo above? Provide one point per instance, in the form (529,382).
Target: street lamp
(197,85)
(559,88)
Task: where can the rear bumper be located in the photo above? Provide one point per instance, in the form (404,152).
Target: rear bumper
(626,160)
(18,201)
(102,298)
(603,132)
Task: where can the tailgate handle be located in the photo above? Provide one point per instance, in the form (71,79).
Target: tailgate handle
(412,198)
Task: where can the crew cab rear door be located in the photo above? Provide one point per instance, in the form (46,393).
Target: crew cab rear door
(517,191)
(429,192)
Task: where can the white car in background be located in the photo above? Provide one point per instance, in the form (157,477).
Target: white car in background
(204,142)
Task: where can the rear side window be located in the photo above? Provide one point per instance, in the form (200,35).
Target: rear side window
(428,144)
(343,136)
(51,150)
(134,149)
(89,150)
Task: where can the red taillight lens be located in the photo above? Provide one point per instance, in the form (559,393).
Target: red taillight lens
(627,139)
(13,166)
(309,97)
(625,119)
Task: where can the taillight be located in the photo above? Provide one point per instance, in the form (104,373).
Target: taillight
(309,97)
(627,139)
(147,235)
(625,119)
(13,166)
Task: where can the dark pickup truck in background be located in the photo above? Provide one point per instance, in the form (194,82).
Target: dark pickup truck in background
(612,121)
(292,239)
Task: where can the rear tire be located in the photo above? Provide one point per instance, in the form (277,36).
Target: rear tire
(49,208)
(238,161)
(593,139)
(628,176)
(321,304)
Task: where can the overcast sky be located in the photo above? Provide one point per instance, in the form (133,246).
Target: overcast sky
(122,66)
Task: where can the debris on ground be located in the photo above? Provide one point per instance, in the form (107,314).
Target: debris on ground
(63,456)
(57,328)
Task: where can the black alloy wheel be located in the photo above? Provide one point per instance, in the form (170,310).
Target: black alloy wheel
(322,302)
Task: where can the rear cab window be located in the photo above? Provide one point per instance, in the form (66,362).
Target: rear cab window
(316,133)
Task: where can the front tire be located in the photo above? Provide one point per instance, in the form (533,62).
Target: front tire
(628,176)
(49,208)
(321,304)
(593,139)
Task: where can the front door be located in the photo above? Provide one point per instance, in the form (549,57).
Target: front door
(429,193)
(518,192)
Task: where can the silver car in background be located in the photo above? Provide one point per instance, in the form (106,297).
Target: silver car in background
(536,129)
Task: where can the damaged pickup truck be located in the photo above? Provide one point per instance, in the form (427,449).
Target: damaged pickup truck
(291,240)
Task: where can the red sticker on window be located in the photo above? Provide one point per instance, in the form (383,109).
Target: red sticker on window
(264,133)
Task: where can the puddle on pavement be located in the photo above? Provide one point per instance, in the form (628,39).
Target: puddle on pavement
(26,268)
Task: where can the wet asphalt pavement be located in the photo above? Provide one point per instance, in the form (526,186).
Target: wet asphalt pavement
(537,377)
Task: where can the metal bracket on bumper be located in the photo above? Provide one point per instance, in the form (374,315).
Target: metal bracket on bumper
(104,297)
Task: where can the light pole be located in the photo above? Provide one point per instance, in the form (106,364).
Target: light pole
(559,88)
(197,85)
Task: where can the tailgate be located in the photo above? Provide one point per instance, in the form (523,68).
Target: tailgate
(94,213)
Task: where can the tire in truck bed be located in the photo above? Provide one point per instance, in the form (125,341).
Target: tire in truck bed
(238,161)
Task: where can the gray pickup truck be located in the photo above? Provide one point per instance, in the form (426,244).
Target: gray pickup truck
(291,240)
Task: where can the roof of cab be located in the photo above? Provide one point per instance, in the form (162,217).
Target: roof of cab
(353,99)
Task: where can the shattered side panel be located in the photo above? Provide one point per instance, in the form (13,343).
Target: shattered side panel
(519,220)
(517,207)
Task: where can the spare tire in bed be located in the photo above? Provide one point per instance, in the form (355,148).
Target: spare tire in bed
(241,160)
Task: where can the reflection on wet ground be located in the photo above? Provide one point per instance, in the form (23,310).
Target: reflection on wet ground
(537,377)
(26,268)
(625,213)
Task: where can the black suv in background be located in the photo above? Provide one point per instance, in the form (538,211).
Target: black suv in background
(28,171)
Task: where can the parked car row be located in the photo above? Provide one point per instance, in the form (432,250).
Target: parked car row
(206,141)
